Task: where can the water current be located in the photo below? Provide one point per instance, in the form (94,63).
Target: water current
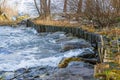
(22,47)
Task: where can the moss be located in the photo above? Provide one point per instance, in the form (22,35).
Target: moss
(118,19)
(64,63)
(20,18)
(109,74)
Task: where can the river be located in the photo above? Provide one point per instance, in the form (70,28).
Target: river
(22,47)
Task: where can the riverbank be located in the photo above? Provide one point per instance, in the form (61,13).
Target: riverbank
(85,25)
(109,47)
(107,36)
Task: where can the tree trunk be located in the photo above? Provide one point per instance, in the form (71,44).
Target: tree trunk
(45,9)
(79,9)
(49,6)
(65,6)
(48,10)
(37,7)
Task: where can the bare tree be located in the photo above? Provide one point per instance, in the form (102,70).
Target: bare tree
(79,8)
(45,9)
(37,7)
(116,6)
(69,8)
(2,5)
(65,6)
(0,10)
(101,12)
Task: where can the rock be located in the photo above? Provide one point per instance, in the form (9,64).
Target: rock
(69,35)
(80,64)
(56,35)
(79,44)
(64,39)
(43,34)
(87,53)
(20,71)
(23,22)
(75,71)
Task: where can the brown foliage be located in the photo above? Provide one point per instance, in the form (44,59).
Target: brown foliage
(102,12)
(7,10)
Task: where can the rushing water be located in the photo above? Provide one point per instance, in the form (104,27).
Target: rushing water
(23,47)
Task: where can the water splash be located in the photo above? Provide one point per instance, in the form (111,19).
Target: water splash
(22,47)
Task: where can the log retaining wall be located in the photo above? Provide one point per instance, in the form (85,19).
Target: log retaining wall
(94,39)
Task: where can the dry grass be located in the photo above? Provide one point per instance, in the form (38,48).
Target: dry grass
(89,27)
(64,23)
(2,23)
(110,31)
(9,11)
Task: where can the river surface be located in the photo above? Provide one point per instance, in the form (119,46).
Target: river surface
(22,47)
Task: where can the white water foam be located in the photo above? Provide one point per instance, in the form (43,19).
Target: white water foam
(22,48)
(18,61)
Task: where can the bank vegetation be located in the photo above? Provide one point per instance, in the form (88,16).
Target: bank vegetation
(97,16)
